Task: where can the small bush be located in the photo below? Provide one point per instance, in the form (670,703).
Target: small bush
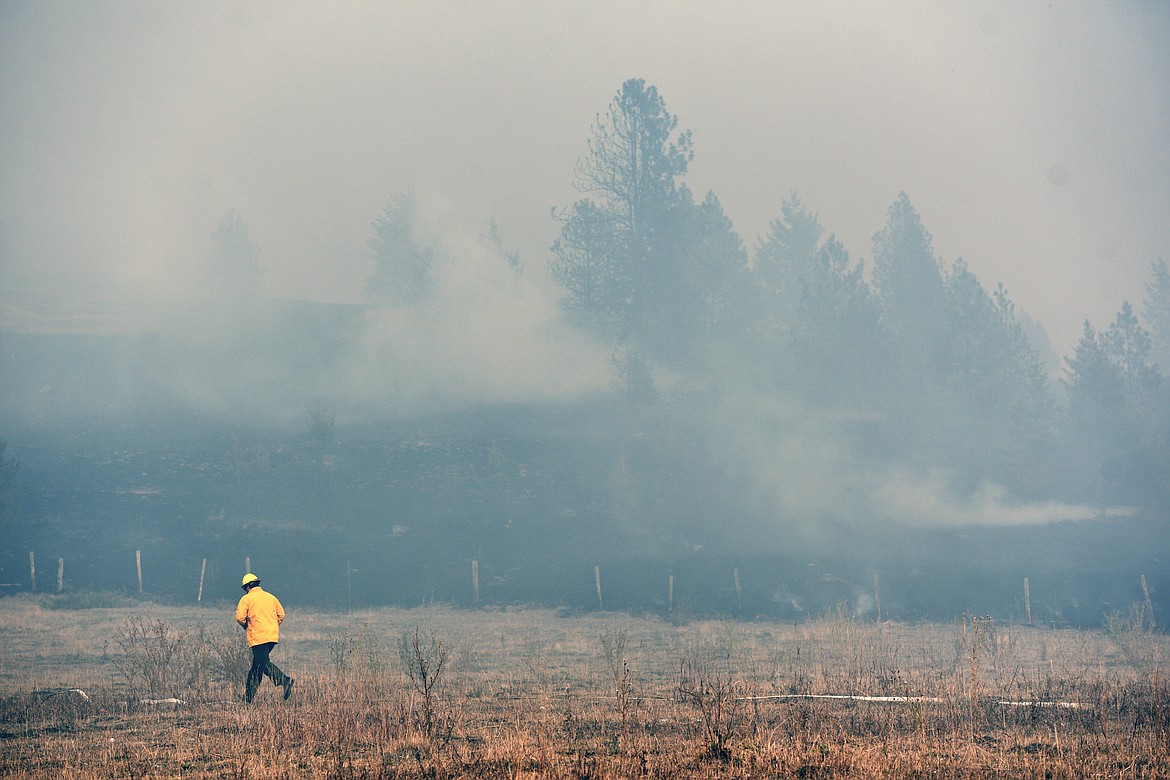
(150,655)
(423,660)
(212,655)
(159,660)
(1134,635)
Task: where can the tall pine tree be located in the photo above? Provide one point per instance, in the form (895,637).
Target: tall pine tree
(640,262)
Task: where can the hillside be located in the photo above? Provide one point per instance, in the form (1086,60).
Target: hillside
(538,496)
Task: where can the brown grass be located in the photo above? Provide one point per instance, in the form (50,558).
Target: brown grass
(527,693)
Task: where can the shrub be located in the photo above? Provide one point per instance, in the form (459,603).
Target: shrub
(424,659)
(159,660)
(150,655)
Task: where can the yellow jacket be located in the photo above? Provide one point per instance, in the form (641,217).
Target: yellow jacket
(261,614)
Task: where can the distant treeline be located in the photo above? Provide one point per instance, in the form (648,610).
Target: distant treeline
(949,363)
(963,377)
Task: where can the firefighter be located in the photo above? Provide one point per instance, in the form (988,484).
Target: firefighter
(260,614)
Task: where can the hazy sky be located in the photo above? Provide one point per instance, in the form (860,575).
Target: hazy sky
(1031,136)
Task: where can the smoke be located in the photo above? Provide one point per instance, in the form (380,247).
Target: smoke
(1029,134)
(489,333)
(932,500)
(810,481)
(1031,137)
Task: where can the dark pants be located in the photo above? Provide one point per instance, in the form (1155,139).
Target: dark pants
(262,666)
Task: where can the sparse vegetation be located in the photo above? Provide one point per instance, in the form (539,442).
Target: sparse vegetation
(150,655)
(85,599)
(713,698)
(424,658)
(613,649)
(707,683)
(978,641)
(1134,635)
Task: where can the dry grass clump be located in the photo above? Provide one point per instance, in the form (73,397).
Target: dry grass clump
(525,693)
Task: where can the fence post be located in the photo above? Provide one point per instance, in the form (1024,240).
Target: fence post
(202,571)
(32,569)
(60,574)
(1027,603)
(475,580)
(735,574)
(670,593)
(1149,604)
(138,565)
(597,581)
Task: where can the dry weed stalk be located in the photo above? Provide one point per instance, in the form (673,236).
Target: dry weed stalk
(711,690)
(613,648)
(978,641)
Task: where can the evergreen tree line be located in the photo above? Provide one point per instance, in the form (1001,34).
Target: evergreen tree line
(941,366)
(926,347)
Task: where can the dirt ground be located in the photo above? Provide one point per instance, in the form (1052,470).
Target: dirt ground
(124,689)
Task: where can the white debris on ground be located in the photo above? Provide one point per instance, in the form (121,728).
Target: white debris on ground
(1072,705)
(50,692)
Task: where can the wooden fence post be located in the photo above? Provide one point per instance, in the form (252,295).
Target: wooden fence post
(670,593)
(1149,604)
(475,580)
(202,571)
(247,564)
(60,574)
(597,581)
(138,565)
(32,569)
(1027,603)
(738,591)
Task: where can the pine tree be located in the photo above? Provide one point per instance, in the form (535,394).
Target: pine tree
(1156,314)
(615,247)
(402,263)
(231,267)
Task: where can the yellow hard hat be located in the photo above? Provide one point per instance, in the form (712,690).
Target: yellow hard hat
(249,578)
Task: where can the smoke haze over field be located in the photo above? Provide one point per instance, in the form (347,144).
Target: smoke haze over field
(1030,135)
(393,283)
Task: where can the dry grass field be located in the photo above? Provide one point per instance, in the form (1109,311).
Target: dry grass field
(437,692)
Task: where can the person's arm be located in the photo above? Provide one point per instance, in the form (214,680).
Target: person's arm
(279,612)
(242,613)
